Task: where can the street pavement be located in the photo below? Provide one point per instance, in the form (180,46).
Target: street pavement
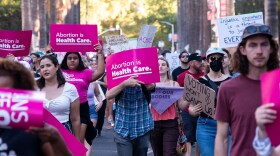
(104,145)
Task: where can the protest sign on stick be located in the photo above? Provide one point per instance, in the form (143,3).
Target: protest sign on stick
(15,42)
(121,66)
(231,28)
(198,93)
(73,37)
(165,96)
(173,60)
(146,36)
(270,91)
(21,108)
(117,43)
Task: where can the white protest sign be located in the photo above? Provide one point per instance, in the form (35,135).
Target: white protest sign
(117,43)
(231,28)
(173,60)
(198,93)
(132,43)
(146,36)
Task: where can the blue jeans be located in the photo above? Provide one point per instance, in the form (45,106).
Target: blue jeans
(136,147)
(205,135)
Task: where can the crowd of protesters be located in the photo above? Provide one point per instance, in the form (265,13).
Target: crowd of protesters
(77,96)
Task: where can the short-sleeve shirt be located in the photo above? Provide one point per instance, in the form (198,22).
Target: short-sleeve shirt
(16,142)
(237,101)
(81,80)
(60,106)
(133,115)
(177,72)
(181,77)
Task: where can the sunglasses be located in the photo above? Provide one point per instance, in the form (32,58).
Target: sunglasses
(253,29)
(184,56)
(216,58)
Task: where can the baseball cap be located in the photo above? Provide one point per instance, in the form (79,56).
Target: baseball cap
(214,50)
(194,56)
(256,29)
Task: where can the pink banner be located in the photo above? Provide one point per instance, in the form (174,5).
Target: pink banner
(21,109)
(73,37)
(15,42)
(270,86)
(72,143)
(142,62)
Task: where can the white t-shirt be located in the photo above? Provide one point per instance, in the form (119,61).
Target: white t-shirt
(60,106)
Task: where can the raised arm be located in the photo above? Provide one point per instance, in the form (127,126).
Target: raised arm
(100,63)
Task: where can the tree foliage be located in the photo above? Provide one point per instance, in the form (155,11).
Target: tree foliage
(10,15)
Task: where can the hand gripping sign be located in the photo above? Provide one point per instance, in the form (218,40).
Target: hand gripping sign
(142,62)
(22,109)
(15,42)
(270,91)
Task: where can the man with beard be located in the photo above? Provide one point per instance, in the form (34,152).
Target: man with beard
(183,67)
(190,122)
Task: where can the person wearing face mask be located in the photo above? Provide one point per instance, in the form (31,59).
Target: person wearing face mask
(206,125)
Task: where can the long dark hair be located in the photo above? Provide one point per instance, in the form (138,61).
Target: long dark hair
(21,76)
(60,78)
(241,63)
(81,65)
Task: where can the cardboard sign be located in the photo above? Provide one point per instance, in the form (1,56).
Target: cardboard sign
(72,143)
(121,66)
(146,37)
(173,60)
(73,37)
(117,43)
(20,108)
(231,28)
(15,42)
(270,90)
(165,96)
(198,93)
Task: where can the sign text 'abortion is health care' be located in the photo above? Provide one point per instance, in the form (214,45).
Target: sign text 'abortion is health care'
(21,109)
(73,38)
(142,62)
(15,42)
(231,27)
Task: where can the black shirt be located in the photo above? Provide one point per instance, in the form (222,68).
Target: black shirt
(177,72)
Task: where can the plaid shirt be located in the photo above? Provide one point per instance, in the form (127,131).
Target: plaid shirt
(133,115)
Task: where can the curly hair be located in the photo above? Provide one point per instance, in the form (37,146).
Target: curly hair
(241,63)
(21,76)
(60,78)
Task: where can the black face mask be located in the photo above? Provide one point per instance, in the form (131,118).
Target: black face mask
(216,65)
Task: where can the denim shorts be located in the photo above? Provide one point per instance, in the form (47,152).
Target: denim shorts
(93,114)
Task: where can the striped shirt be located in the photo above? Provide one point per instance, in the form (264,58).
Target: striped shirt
(133,115)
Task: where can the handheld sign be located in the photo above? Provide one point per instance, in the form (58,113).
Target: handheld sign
(146,36)
(165,96)
(173,60)
(198,93)
(117,43)
(15,42)
(270,90)
(231,28)
(121,66)
(21,108)
(73,37)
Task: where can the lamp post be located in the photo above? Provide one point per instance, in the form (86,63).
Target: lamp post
(107,30)
(172,32)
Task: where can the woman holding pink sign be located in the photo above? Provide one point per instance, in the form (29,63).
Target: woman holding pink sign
(77,74)
(62,99)
(35,141)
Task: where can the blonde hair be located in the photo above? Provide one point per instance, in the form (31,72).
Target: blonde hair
(168,72)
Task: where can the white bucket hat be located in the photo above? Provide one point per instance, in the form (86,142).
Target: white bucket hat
(214,50)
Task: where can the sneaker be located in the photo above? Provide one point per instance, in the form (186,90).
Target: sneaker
(112,124)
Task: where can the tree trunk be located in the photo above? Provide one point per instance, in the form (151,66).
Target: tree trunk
(35,24)
(43,24)
(25,14)
(52,14)
(76,11)
(70,14)
(271,16)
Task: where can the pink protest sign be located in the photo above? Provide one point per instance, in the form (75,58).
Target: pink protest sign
(15,42)
(72,143)
(21,109)
(142,62)
(73,37)
(270,87)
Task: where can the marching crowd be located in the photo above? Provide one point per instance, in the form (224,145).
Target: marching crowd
(77,96)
